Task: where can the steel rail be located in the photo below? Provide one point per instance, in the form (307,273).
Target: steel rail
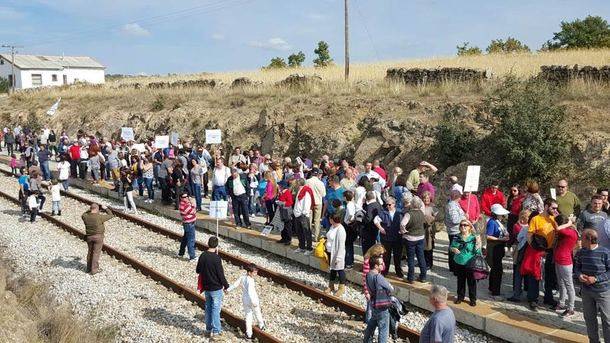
(309,291)
(180,289)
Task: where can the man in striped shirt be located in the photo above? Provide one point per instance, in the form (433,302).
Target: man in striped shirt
(189,215)
(592,269)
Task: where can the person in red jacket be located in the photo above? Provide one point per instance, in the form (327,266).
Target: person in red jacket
(74,153)
(286,202)
(491,196)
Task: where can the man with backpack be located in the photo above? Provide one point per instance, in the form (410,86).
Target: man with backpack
(379,292)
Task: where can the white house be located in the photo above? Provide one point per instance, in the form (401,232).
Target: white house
(42,71)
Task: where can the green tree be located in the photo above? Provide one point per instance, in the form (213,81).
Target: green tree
(296,60)
(466,50)
(592,32)
(498,46)
(276,63)
(4,85)
(532,136)
(323,53)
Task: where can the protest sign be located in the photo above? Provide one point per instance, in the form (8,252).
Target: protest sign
(472,179)
(161,142)
(213,137)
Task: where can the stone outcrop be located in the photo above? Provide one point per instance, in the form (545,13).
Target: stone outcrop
(298,80)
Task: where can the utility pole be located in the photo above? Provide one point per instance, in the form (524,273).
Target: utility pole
(12,47)
(346,41)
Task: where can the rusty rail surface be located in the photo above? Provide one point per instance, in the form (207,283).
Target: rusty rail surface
(309,291)
(186,292)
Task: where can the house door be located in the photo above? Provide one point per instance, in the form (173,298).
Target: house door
(65,79)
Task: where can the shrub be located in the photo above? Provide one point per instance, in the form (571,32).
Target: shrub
(466,50)
(531,138)
(509,46)
(454,141)
(158,104)
(276,63)
(4,85)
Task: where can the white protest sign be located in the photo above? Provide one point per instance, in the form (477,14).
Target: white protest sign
(127,134)
(161,142)
(472,179)
(54,108)
(140,147)
(213,137)
(553,193)
(266,230)
(173,138)
(219,209)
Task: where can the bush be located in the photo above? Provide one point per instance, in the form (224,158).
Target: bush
(531,139)
(276,63)
(4,85)
(454,141)
(158,104)
(592,32)
(466,50)
(498,46)
(296,60)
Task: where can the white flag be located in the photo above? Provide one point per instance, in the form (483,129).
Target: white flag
(54,108)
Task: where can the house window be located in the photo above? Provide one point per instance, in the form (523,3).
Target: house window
(54,77)
(36,79)
(1,61)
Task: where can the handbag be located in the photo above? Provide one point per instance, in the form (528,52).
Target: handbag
(479,267)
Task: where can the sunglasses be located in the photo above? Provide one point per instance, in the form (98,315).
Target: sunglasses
(562,186)
(464,225)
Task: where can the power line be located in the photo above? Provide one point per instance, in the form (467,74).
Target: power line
(150,21)
(366,29)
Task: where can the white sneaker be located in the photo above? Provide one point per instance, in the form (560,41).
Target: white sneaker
(298,250)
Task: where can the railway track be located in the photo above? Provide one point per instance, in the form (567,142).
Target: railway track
(345,326)
(146,270)
(277,278)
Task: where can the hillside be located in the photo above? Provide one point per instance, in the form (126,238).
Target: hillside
(366,118)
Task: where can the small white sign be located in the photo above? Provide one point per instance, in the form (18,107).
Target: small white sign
(140,147)
(161,142)
(54,108)
(472,179)
(219,209)
(553,193)
(173,138)
(266,230)
(213,137)
(127,134)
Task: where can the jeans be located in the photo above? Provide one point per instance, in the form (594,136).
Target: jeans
(392,248)
(44,168)
(240,210)
(219,193)
(65,184)
(56,207)
(197,192)
(149,188)
(188,240)
(595,303)
(517,281)
(304,232)
(252,204)
(96,173)
(415,248)
(450,257)
(33,214)
(566,285)
(213,305)
(380,319)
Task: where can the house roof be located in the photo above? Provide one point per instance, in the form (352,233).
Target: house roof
(53,62)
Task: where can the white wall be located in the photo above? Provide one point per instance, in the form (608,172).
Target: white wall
(47,78)
(5,71)
(95,76)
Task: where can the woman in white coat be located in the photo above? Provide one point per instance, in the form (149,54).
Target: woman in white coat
(250,301)
(335,250)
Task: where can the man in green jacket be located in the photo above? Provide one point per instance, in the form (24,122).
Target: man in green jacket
(94,230)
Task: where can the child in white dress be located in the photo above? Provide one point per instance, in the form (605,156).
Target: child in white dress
(250,301)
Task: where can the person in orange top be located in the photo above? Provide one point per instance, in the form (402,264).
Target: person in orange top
(543,225)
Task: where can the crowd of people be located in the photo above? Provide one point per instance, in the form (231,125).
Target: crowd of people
(337,205)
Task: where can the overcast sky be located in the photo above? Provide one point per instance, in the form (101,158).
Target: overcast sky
(180,36)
